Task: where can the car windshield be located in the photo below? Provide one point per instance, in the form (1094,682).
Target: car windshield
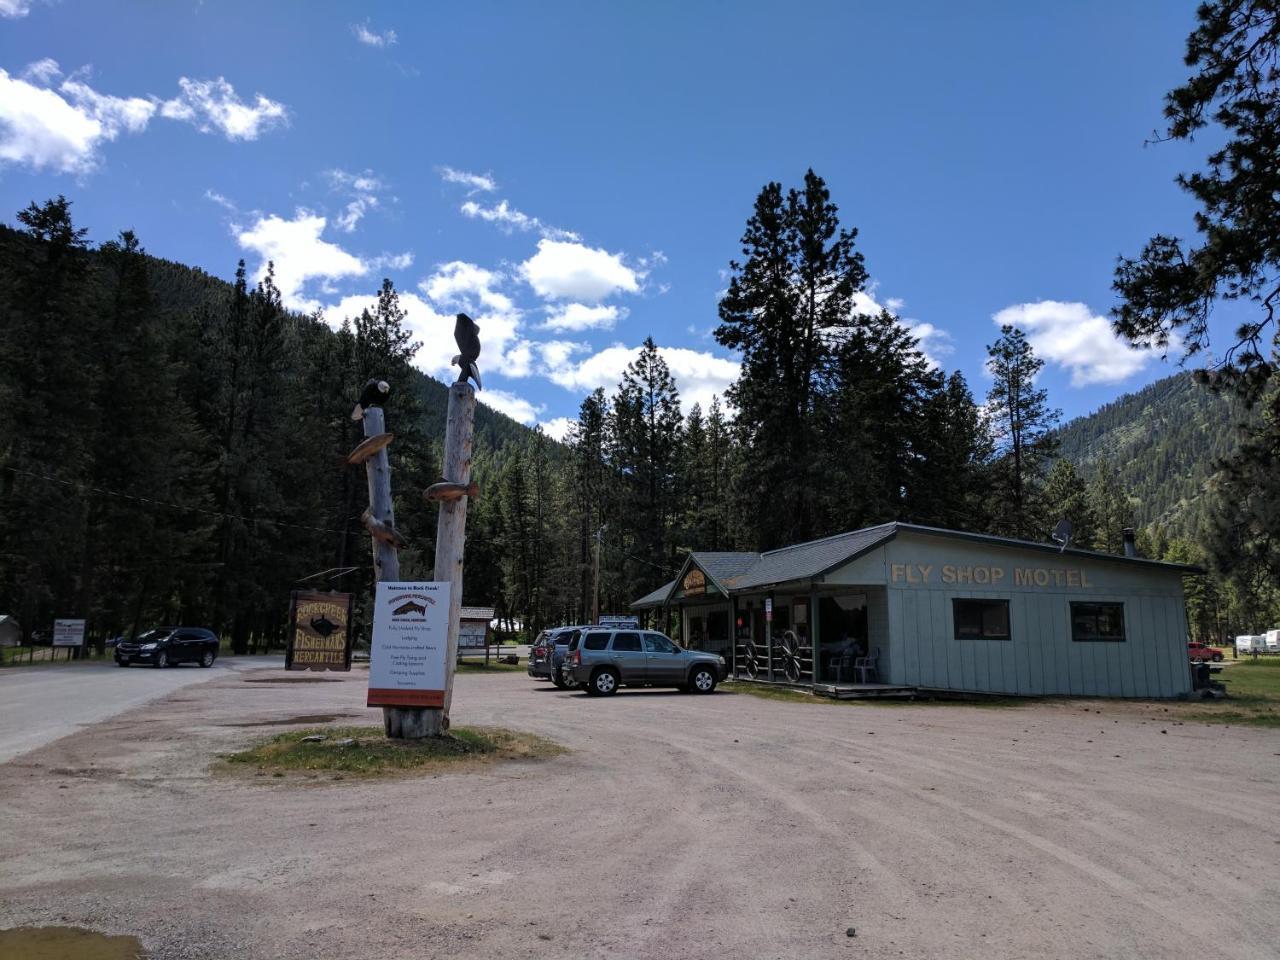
(151,635)
(563,639)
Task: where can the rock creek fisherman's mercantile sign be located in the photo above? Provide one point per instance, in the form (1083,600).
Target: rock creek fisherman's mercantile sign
(408,659)
(319,631)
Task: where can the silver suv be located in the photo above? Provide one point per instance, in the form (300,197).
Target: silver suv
(602,660)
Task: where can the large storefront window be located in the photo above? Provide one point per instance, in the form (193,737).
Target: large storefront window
(842,634)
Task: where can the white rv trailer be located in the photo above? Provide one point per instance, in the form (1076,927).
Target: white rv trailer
(1247,643)
(1271,641)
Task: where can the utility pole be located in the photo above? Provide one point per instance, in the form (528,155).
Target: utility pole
(595,576)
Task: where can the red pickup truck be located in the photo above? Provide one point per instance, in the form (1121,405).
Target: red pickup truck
(1201,651)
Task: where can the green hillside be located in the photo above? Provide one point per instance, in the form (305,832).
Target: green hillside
(1164,441)
(173,446)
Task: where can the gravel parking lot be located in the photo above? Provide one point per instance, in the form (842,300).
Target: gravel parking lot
(677,826)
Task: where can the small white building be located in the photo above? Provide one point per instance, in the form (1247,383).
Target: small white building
(10,631)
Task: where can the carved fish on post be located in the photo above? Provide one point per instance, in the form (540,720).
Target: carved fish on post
(381,530)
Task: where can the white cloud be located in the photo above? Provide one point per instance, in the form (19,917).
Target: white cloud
(362,188)
(571,271)
(579,316)
(214,105)
(482,182)
(466,286)
(699,376)
(370,38)
(42,72)
(557,428)
(434,330)
(934,342)
(14,8)
(509,219)
(517,408)
(392,261)
(1076,339)
(62,130)
(299,255)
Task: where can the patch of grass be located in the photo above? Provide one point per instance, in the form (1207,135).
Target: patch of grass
(1253,689)
(370,754)
(493,666)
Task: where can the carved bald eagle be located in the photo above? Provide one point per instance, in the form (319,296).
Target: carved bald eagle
(374,394)
(467,335)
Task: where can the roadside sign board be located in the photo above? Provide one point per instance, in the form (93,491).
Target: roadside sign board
(68,633)
(319,631)
(408,660)
(473,634)
(768,609)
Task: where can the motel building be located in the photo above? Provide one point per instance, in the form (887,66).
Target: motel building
(897,608)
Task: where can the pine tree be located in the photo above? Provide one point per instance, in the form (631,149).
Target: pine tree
(795,287)
(1022,426)
(1110,507)
(1068,497)
(647,438)
(873,426)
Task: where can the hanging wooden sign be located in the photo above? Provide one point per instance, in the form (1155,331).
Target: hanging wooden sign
(319,631)
(695,583)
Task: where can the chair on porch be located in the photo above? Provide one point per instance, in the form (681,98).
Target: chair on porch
(842,664)
(865,668)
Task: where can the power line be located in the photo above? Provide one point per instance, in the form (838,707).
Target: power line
(174,506)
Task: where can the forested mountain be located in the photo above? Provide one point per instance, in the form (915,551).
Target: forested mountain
(1163,443)
(172,445)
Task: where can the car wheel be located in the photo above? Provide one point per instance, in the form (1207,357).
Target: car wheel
(207,659)
(558,679)
(702,680)
(604,683)
(162,660)
(121,663)
(1217,658)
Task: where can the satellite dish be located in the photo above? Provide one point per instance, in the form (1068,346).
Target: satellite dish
(1062,533)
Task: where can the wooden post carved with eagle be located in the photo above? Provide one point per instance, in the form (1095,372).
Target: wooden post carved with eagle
(451,493)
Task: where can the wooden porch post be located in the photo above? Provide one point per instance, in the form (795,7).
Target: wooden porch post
(815,638)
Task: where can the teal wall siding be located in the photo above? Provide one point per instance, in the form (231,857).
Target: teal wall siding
(1041,658)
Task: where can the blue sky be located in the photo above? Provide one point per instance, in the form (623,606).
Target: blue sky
(577,175)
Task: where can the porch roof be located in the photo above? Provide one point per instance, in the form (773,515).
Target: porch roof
(655,599)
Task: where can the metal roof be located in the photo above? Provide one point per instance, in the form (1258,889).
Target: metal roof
(739,572)
(655,599)
(805,561)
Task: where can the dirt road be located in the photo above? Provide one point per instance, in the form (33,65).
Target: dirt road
(678,826)
(40,704)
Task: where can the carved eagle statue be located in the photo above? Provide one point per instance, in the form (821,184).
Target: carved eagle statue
(467,335)
(374,394)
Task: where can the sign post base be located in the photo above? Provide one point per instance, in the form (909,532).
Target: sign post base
(411,723)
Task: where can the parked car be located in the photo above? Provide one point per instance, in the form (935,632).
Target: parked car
(167,646)
(1202,651)
(558,651)
(601,660)
(540,657)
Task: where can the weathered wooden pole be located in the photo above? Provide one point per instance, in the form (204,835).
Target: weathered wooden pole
(380,521)
(451,530)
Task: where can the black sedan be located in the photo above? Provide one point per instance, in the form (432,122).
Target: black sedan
(167,646)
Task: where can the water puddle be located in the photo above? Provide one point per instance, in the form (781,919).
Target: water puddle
(291,680)
(66,943)
(290,721)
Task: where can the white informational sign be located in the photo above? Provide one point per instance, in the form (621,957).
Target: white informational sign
(768,609)
(68,633)
(472,634)
(409,657)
